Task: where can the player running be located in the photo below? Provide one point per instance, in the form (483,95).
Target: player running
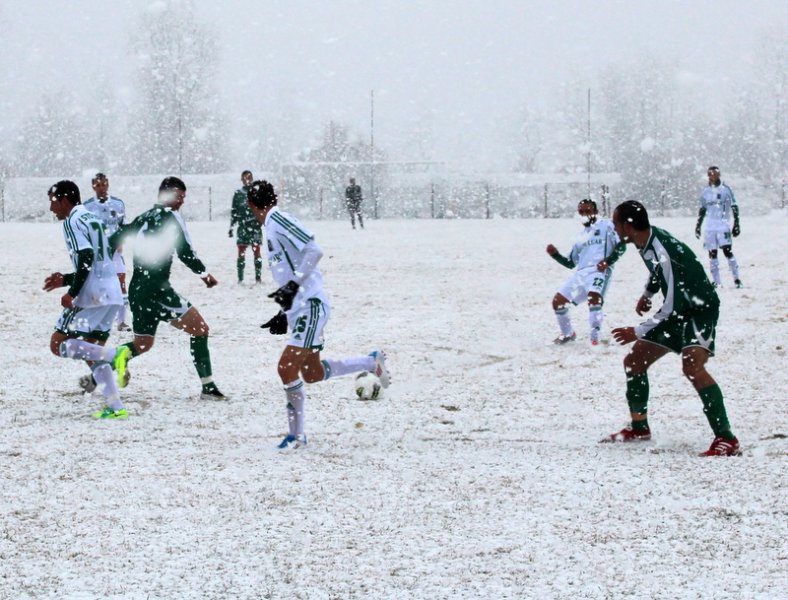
(596,250)
(93,297)
(293,256)
(161,232)
(717,202)
(686,324)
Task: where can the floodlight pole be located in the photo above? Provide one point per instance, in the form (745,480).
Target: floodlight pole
(588,147)
(372,153)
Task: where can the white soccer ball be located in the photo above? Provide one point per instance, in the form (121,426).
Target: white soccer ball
(368,386)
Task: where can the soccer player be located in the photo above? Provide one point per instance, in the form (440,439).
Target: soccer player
(686,324)
(93,297)
(111,211)
(717,202)
(596,250)
(161,232)
(293,256)
(353,200)
(249,231)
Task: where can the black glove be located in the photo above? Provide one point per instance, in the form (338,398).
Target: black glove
(285,294)
(736,229)
(230,233)
(277,324)
(697,231)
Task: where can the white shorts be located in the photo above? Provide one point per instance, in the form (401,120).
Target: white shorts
(578,286)
(117,260)
(94,322)
(307,322)
(717,239)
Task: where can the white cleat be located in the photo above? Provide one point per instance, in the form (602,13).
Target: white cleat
(380,369)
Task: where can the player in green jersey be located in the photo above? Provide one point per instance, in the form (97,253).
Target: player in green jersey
(161,232)
(685,324)
(248,229)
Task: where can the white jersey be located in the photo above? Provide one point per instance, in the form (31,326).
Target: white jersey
(286,239)
(719,202)
(84,231)
(111,212)
(595,243)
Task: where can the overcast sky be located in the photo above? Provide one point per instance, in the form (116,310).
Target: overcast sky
(469,64)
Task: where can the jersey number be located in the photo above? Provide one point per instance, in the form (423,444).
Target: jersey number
(99,228)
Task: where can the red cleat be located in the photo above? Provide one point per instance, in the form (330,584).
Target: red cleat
(723,447)
(627,435)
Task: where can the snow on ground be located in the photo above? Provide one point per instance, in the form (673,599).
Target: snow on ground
(478,476)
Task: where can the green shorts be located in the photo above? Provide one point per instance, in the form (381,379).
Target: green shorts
(681,331)
(149,307)
(249,237)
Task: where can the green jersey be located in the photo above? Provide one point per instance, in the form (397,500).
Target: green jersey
(678,274)
(249,229)
(160,233)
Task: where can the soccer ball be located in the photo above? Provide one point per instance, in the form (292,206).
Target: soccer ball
(368,386)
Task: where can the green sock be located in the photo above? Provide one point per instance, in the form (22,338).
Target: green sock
(241,265)
(640,425)
(637,393)
(201,357)
(132,348)
(714,408)
(258,268)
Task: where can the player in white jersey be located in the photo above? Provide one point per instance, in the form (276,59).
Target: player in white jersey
(595,251)
(93,297)
(112,212)
(293,256)
(717,204)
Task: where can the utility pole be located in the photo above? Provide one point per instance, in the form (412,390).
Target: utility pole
(588,146)
(372,152)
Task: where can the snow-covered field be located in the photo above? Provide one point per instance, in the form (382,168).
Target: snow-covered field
(478,476)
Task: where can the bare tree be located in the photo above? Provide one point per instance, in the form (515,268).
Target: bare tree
(179,127)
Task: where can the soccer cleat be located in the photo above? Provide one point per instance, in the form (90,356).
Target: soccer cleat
(627,435)
(122,357)
(110,413)
(565,339)
(723,447)
(212,394)
(595,342)
(292,442)
(123,327)
(380,369)
(87,383)
(738,283)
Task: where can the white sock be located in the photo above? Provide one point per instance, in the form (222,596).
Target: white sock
(82,350)
(564,322)
(734,266)
(714,266)
(105,379)
(595,317)
(333,367)
(123,309)
(296,399)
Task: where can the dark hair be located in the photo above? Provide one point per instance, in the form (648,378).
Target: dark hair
(261,194)
(66,189)
(588,201)
(172,183)
(97,177)
(633,212)
(713,168)
(247,172)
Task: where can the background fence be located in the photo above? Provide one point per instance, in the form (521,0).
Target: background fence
(312,193)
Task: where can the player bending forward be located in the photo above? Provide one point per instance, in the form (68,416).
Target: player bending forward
(293,256)
(93,298)
(594,253)
(685,324)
